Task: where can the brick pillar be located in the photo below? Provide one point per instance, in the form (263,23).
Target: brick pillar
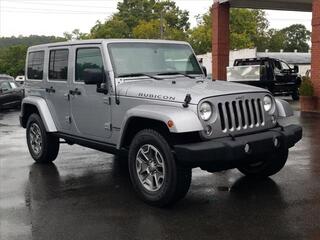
(315,52)
(220,40)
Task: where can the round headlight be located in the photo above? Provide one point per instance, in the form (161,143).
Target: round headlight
(267,103)
(205,111)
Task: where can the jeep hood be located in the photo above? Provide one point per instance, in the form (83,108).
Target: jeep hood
(175,90)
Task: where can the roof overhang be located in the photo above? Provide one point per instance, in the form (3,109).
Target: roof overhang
(287,5)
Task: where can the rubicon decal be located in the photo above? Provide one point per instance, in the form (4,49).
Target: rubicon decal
(157,96)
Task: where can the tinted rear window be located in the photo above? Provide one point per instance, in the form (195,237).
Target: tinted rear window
(35,65)
(58,64)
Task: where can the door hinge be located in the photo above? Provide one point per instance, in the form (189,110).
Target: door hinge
(107,100)
(68,119)
(108,126)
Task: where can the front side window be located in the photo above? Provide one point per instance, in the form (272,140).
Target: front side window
(285,66)
(87,58)
(35,65)
(58,64)
(152,58)
(13,85)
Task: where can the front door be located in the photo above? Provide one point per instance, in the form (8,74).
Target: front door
(91,111)
(57,88)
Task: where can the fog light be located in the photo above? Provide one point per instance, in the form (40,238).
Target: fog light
(276,142)
(247,148)
(208,130)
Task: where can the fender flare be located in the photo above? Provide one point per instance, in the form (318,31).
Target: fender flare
(43,110)
(185,120)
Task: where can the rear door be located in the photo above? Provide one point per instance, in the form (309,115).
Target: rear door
(91,111)
(57,87)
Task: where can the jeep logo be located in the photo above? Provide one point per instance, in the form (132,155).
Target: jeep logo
(240,98)
(157,96)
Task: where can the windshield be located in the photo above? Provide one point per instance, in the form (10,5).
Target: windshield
(152,58)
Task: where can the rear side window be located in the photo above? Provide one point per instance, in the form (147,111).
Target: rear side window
(35,65)
(87,58)
(58,64)
(5,86)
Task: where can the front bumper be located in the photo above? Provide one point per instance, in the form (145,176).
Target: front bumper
(229,152)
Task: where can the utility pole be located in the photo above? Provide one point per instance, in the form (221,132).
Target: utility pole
(161,25)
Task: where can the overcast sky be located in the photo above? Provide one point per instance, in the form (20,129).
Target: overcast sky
(54,17)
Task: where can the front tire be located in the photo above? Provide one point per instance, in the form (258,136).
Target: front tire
(154,173)
(43,147)
(268,166)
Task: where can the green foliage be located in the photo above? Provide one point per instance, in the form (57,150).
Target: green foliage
(200,36)
(135,16)
(306,88)
(296,36)
(151,30)
(112,28)
(75,35)
(28,41)
(247,29)
(12,60)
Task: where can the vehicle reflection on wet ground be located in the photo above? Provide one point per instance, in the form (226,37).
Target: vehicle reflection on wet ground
(87,194)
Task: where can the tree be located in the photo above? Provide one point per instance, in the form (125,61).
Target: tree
(143,14)
(151,30)
(247,29)
(296,37)
(75,35)
(200,36)
(12,60)
(112,28)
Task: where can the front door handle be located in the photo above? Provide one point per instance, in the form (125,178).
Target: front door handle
(50,90)
(75,92)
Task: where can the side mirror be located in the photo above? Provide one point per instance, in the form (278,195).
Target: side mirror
(93,76)
(296,69)
(204,69)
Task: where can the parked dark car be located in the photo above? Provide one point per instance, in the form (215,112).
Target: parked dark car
(276,75)
(11,94)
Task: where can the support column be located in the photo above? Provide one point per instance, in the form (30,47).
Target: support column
(220,40)
(315,51)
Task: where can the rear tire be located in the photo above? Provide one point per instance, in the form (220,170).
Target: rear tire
(154,173)
(43,147)
(268,166)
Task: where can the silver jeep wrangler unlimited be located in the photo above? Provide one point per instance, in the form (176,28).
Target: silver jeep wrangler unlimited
(151,100)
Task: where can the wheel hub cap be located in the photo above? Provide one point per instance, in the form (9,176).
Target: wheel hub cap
(150,167)
(35,138)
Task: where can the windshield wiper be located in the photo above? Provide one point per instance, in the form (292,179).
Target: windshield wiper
(175,73)
(139,75)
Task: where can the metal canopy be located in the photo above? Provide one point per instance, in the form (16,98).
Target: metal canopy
(288,5)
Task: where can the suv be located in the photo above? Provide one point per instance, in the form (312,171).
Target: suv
(275,75)
(150,100)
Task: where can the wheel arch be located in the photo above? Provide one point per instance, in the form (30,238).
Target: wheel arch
(39,106)
(157,117)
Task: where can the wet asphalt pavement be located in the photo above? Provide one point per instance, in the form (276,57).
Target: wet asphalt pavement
(86,194)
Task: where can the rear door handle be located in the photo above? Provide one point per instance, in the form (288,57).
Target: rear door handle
(50,90)
(75,92)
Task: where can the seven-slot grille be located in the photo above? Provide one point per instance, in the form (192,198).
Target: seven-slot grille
(241,114)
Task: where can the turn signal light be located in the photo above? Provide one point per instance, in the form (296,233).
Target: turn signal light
(170,124)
